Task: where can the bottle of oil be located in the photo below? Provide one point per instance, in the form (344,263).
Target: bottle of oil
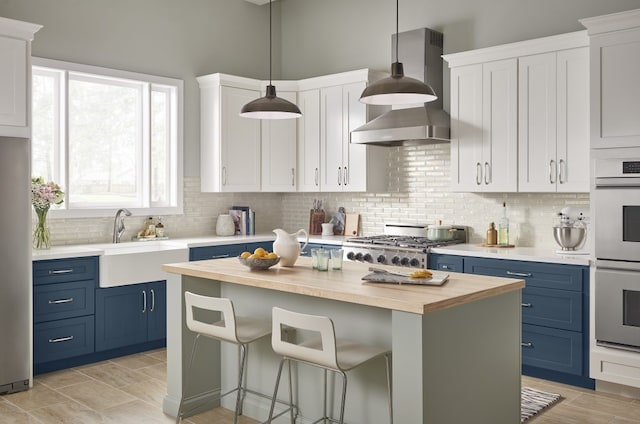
(492,235)
(503,227)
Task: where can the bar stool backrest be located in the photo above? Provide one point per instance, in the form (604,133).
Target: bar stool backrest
(324,355)
(224,329)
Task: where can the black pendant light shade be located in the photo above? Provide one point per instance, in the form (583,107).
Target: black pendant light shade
(397,89)
(270,106)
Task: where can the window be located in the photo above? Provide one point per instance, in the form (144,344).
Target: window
(110,138)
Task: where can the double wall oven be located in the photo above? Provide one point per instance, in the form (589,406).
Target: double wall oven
(616,200)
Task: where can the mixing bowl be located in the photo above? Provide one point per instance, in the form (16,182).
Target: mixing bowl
(569,238)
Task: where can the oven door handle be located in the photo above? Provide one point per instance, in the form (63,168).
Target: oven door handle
(617,182)
(621,265)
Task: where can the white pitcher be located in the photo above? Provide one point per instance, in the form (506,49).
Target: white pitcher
(287,247)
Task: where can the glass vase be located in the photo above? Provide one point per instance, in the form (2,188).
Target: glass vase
(41,236)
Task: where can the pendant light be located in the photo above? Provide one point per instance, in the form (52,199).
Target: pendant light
(270,106)
(397,89)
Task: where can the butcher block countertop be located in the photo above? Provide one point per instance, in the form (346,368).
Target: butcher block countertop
(347,285)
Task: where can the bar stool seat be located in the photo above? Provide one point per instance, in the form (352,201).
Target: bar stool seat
(230,328)
(324,351)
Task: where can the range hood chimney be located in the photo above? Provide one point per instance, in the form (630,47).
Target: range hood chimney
(421,53)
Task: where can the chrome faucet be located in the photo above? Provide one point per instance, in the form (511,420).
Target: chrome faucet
(118,224)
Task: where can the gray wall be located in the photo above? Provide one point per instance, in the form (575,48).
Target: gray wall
(187,38)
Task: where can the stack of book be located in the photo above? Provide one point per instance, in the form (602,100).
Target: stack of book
(245,219)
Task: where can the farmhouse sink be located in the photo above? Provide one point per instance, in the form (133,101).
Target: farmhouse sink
(137,262)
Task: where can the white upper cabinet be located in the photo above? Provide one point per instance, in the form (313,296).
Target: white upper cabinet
(615,79)
(279,150)
(15,77)
(554,122)
(308,175)
(519,116)
(230,145)
(484,127)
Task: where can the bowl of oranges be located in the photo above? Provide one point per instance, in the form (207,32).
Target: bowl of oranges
(259,260)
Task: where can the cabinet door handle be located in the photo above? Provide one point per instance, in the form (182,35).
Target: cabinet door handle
(562,176)
(224,175)
(59,301)
(316,177)
(487,173)
(153,300)
(519,274)
(61,339)
(293,177)
(346,175)
(444,267)
(526,305)
(339,175)
(526,344)
(60,271)
(220,256)
(144,301)
(552,171)
(478,173)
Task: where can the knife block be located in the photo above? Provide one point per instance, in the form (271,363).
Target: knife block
(316,219)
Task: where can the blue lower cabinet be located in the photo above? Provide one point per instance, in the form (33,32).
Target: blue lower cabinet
(62,339)
(266,245)
(130,315)
(307,250)
(446,263)
(63,300)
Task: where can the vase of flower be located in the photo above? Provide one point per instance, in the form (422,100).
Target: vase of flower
(41,236)
(43,195)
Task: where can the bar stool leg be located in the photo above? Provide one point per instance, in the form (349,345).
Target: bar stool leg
(243,363)
(324,398)
(275,391)
(293,417)
(389,391)
(344,395)
(193,351)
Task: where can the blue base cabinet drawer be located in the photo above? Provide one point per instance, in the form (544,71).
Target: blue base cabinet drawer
(446,263)
(536,274)
(215,252)
(61,339)
(552,308)
(266,245)
(552,349)
(65,270)
(64,300)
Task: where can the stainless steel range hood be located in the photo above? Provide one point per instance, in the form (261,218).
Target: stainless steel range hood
(421,52)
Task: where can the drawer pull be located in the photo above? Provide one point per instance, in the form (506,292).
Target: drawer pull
(519,274)
(444,267)
(526,344)
(61,339)
(60,271)
(526,305)
(59,301)
(220,256)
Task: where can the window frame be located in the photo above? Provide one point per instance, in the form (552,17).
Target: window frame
(176,143)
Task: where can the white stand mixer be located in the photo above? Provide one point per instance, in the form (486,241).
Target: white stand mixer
(571,233)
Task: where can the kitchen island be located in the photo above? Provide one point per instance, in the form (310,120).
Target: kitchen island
(456,348)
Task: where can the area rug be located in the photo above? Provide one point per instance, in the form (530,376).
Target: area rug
(533,401)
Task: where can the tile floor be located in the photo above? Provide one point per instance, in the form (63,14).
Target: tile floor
(129,390)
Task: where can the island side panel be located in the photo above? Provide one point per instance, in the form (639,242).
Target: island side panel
(460,364)
(204,382)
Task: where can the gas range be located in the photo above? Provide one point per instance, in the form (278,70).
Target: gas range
(401,245)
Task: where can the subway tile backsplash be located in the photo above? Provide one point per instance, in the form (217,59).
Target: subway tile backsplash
(418,193)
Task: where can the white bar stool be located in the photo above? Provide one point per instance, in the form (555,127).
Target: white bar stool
(326,352)
(237,330)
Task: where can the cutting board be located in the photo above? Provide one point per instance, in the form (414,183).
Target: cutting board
(352,223)
(437,279)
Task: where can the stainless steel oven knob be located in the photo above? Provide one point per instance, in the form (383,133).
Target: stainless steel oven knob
(358,256)
(350,256)
(367,258)
(381,259)
(414,262)
(395,260)
(404,261)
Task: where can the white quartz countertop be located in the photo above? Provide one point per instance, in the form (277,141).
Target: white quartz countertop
(82,250)
(530,254)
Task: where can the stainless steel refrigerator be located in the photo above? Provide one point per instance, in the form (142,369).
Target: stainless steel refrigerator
(15,265)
